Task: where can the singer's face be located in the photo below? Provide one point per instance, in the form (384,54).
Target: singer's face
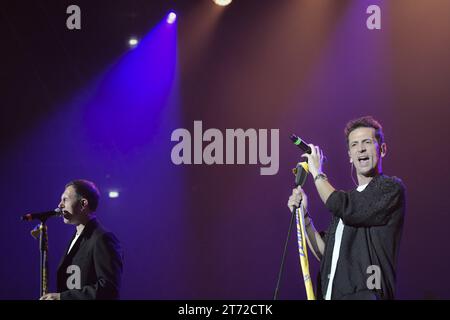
(364,151)
(70,203)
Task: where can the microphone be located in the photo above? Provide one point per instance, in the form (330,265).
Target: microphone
(300,143)
(303,145)
(42,215)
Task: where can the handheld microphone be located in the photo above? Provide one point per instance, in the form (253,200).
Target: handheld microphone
(303,145)
(300,143)
(42,215)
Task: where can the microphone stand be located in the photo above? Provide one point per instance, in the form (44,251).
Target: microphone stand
(275,296)
(41,231)
(300,178)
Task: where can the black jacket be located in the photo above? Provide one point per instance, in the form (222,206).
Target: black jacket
(373,220)
(98,257)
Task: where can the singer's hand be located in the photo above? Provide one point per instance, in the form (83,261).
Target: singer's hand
(298,195)
(315,160)
(51,296)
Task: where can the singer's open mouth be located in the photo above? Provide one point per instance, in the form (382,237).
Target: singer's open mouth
(363,160)
(65,214)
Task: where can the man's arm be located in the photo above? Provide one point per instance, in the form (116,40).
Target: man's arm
(371,207)
(313,238)
(324,188)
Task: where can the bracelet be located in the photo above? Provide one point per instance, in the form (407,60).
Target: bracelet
(321,176)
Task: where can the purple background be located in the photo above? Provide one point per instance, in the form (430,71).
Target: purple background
(81,104)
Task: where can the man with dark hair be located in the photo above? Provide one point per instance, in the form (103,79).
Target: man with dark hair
(358,253)
(91,267)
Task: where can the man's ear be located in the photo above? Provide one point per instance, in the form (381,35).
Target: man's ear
(383,149)
(350,156)
(84,203)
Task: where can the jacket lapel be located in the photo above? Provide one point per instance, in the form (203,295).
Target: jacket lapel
(65,255)
(88,229)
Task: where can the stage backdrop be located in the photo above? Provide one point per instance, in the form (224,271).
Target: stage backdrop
(84,104)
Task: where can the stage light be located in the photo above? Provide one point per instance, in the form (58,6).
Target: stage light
(222,3)
(171,17)
(113,194)
(133,42)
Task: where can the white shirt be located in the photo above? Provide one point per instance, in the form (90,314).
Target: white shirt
(73,241)
(336,249)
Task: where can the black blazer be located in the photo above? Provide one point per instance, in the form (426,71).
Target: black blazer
(95,261)
(373,220)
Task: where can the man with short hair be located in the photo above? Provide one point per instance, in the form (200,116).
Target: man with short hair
(91,267)
(358,253)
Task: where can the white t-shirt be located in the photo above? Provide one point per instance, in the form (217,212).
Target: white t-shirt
(336,249)
(73,241)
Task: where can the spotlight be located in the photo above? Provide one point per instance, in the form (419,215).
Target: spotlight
(171,17)
(222,3)
(133,42)
(113,194)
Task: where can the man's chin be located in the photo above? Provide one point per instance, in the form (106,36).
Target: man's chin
(367,172)
(67,221)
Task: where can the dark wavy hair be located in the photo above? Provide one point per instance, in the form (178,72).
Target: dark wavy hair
(88,190)
(365,122)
